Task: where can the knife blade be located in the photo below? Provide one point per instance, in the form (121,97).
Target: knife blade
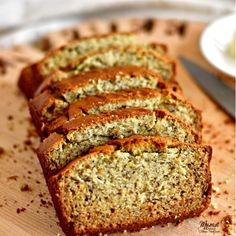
(214,87)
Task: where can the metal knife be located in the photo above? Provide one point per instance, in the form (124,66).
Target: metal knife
(214,87)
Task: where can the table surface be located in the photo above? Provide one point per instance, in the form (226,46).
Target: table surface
(25,204)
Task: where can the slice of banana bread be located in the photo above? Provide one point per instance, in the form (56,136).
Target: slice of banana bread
(120,56)
(130,184)
(102,80)
(47,122)
(34,74)
(79,135)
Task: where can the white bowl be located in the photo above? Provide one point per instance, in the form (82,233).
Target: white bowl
(214,42)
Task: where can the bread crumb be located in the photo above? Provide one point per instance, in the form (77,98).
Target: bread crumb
(226,181)
(179,222)
(13,177)
(10,117)
(43,201)
(19,210)
(113,27)
(2,151)
(227,225)
(27,142)
(214,205)
(148,25)
(227,141)
(228,121)
(215,189)
(213,213)
(25,188)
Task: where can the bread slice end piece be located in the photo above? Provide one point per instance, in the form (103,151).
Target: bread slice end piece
(131,184)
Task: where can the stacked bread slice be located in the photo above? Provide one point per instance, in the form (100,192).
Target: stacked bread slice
(121,146)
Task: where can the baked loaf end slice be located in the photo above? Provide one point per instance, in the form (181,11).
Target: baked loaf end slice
(102,103)
(136,55)
(102,192)
(79,135)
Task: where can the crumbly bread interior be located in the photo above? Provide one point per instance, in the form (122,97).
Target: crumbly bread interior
(60,58)
(83,138)
(120,56)
(107,191)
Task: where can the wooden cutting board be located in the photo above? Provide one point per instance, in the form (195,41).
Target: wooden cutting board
(25,204)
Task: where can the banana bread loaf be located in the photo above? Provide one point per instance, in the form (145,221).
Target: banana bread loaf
(113,91)
(79,135)
(46,117)
(102,192)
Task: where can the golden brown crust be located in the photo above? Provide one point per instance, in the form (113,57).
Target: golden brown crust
(160,142)
(47,147)
(29,80)
(36,108)
(54,125)
(42,101)
(126,144)
(48,144)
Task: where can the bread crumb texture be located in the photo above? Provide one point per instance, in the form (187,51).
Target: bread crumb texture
(104,190)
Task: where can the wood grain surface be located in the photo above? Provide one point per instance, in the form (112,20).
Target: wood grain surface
(25,204)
